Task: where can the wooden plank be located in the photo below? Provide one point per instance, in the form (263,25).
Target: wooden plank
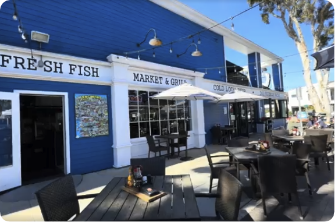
(109,200)
(143,196)
(151,212)
(139,210)
(127,208)
(89,210)
(116,206)
(165,209)
(191,207)
(178,206)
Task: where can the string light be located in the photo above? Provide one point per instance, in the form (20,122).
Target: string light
(219,71)
(194,34)
(199,40)
(154,54)
(138,56)
(171,49)
(232,24)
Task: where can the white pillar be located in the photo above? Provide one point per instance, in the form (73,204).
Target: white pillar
(120,112)
(198,119)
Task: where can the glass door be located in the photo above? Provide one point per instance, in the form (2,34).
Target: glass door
(243,119)
(10,155)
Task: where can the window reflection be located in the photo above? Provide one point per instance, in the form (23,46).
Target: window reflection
(6,149)
(156,117)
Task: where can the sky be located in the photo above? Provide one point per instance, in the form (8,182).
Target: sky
(271,36)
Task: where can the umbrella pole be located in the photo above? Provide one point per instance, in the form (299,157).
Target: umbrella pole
(186,157)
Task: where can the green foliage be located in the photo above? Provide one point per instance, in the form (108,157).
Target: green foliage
(317,13)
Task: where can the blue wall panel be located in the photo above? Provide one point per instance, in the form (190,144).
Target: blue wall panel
(87,154)
(277,76)
(214,115)
(96,29)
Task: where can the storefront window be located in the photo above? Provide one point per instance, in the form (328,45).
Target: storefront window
(6,148)
(283,108)
(156,117)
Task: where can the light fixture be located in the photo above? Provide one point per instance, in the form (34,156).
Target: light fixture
(154,54)
(15,16)
(20,29)
(232,24)
(195,53)
(199,40)
(219,71)
(171,49)
(153,42)
(24,36)
(40,37)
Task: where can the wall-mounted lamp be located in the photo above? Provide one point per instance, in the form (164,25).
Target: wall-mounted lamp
(195,53)
(40,38)
(153,42)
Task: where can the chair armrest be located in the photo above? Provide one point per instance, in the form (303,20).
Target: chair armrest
(221,155)
(87,196)
(254,168)
(208,195)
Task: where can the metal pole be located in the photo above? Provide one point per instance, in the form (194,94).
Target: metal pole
(299,97)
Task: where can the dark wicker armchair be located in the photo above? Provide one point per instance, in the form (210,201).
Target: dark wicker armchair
(278,145)
(155,148)
(153,166)
(302,151)
(239,142)
(275,175)
(217,166)
(228,197)
(217,136)
(59,201)
(319,146)
(181,142)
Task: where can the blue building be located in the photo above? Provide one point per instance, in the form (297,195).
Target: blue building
(79,103)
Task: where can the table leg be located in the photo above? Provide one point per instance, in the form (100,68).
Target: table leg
(186,158)
(172,156)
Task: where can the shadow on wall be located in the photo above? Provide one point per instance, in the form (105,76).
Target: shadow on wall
(214,114)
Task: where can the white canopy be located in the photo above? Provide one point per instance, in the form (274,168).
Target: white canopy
(239,96)
(186,92)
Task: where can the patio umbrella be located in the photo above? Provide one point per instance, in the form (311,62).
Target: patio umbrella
(186,91)
(239,96)
(324,58)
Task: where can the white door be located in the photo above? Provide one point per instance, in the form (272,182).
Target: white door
(10,151)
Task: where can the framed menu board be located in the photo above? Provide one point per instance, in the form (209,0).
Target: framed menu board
(91,115)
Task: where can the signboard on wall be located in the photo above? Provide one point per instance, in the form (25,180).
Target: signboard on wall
(24,65)
(91,115)
(155,79)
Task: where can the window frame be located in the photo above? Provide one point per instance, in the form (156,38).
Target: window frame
(168,120)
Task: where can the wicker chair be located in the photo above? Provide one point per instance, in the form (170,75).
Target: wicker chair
(319,147)
(153,148)
(181,142)
(215,168)
(276,174)
(278,145)
(239,142)
(153,166)
(217,136)
(59,201)
(302,151)
(228,197)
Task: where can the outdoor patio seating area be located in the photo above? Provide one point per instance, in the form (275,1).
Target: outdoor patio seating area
(105,200)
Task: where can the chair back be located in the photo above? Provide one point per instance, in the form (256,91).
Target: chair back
(153,166)
(209,159)
(301,151)
(277,174)
(183,141)
(307,139)
(216,131)
(227,205)
(268,137)
(238,142)
(151,143)
(58,200)
(319,143)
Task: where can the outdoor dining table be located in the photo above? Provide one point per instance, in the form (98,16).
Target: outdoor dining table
(228,129)
(170,137)
(290,138)
(243,156)
(113,203)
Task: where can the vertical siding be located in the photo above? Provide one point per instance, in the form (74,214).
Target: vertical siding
(87,154)
(95,29)
(214,115)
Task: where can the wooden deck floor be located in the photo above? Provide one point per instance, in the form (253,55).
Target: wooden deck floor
(319,207)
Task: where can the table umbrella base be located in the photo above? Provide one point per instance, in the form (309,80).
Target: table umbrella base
(186,158)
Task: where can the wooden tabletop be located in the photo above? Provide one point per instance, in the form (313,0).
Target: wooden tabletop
(290,138)
(241,154)
(115,204)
